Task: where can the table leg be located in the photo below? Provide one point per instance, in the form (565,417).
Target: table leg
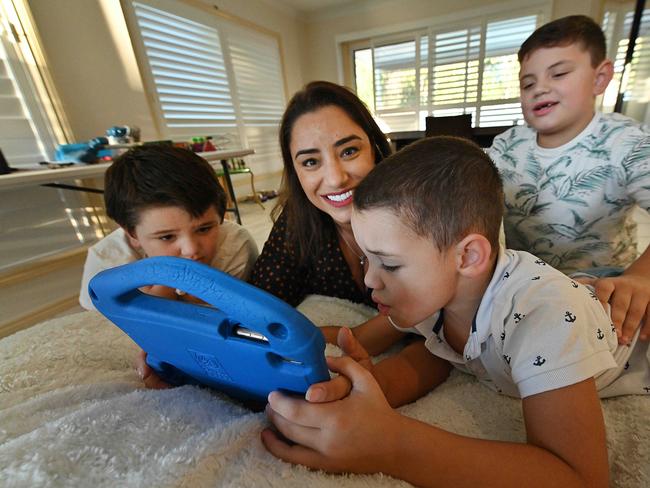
(231,190)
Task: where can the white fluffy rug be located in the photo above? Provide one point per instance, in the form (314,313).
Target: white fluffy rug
(73,413)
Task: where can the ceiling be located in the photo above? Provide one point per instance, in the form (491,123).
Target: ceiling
(313,5)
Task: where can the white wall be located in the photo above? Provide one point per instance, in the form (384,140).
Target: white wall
(93,66)
(322,31)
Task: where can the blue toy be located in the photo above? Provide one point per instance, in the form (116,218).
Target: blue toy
(249,345)
(83,152)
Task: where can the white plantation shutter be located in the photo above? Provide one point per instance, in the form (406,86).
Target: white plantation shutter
(639,69)
(468,69)
(213,77)
(617,26)
(396,91)
(455,70)
(188,68)
(20,140)
(501,71)
(260,91)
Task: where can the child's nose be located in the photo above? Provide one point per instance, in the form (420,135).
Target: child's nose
(541,88)
(189,249)
(371,280)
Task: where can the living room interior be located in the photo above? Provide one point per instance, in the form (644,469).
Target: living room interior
(89,66)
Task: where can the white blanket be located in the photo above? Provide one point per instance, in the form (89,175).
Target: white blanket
(73,413)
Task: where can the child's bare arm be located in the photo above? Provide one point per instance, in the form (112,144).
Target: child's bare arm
(566,439)
(410,374)
(376,335)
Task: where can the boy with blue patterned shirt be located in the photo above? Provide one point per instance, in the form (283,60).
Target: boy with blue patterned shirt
(428,220)
(572,176)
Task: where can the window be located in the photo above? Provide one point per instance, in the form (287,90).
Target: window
(617,24)
(28,135)
(439,71)
(35,222)
(212,77)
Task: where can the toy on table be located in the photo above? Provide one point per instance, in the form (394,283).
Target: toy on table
(250,344)
(118,139)
(83,152)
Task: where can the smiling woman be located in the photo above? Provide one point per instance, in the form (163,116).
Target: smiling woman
(329,142)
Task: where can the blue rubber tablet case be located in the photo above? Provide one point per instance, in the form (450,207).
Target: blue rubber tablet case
(248,345)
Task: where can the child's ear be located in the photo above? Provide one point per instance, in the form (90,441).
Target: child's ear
(132,237)
(604,74)
(473,255)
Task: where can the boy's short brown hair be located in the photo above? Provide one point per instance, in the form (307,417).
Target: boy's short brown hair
(443,188)
(568,30)
(158,176)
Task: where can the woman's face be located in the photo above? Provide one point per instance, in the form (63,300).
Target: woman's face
(331,155)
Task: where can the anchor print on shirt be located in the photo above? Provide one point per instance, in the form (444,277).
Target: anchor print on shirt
(646,389)
(540,262)
(518,317)
(507,358)
(535,278)
(569,317)
(539,360)
(574,284)
(506,275)
(600,335)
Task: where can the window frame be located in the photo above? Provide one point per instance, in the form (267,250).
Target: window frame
(348,44)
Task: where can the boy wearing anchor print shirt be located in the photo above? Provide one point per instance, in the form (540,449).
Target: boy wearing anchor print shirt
(572,176)
(428,219)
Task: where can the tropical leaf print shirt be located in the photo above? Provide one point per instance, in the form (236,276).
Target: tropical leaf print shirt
(571,205)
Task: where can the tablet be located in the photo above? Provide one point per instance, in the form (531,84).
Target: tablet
(244,341)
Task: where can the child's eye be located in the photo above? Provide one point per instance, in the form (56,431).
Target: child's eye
(390,269)
(526,86)
(166,237)
(349,152)
(560,75)
(205,229)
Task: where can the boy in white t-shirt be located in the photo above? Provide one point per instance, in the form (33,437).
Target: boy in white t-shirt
(428,219)
(167,202)
(572,176)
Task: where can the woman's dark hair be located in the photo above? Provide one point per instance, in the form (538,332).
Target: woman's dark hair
(159,175)
(307,225)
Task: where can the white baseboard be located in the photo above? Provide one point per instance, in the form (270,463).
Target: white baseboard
(37,315)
